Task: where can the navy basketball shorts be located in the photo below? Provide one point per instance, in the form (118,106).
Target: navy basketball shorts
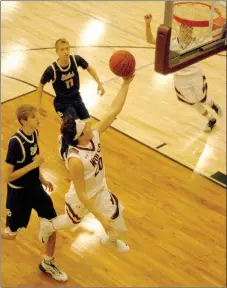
(76,109)
(20,202)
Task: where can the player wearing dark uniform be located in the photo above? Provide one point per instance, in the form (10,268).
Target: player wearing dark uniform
(65,80)
(66,84)
(24,189)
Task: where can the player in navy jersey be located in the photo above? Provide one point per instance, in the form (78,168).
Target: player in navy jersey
(24,186)
(65,80)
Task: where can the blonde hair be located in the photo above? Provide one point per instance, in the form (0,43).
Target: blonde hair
(61,41)
(24,111)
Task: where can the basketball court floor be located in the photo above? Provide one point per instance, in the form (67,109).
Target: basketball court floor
(159,161)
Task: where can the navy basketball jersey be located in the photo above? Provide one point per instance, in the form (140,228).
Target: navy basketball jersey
(21,151)
(66,82)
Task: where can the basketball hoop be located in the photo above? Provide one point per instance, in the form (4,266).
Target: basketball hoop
(197,15)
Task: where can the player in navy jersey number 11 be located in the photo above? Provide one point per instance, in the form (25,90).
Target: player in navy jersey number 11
(66,83)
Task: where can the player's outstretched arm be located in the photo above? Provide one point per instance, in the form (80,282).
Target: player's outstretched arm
(149,36)
(116,106)
(93,73)
(40,109)
(47,76)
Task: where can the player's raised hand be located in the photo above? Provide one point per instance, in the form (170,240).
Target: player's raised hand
(100,90)
(42,111)
(128,79)
(148,18)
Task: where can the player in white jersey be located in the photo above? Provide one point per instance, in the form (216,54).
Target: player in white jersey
(88,190)
(190,82)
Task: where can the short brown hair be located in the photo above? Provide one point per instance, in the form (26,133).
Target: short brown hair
(24,111)
(61,41)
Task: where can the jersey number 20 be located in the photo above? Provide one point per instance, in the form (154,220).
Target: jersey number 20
(99,166)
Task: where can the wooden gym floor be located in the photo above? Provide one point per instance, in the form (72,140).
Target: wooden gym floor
(175,217)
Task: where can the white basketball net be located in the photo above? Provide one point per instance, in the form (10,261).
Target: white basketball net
(192,14)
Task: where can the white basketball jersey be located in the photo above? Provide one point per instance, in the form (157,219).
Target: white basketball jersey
(91,157)
(190,70)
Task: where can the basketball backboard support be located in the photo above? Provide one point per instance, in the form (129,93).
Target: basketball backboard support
(191,32)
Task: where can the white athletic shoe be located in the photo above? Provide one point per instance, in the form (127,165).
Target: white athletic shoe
(217,108)
(119,245)
(210,125)
(45,230)
(49,267)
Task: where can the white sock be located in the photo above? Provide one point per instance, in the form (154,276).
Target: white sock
(62,222)
(119,224)
(203,110)
(48,258)
(199,108)
(209,115)
(210,102)
(113,239)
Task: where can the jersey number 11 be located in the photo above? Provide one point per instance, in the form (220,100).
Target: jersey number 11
(69,83)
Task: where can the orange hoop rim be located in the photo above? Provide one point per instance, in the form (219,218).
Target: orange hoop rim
(196,23)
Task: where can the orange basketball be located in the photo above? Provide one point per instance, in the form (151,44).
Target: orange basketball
(122,63)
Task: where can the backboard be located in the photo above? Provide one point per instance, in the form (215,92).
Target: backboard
(191,32)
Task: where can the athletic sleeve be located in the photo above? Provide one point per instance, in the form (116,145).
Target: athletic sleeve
(81,62)
(14,153)
(47,75)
